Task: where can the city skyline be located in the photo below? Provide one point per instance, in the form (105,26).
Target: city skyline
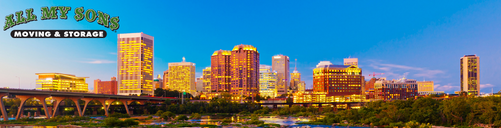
(418,44)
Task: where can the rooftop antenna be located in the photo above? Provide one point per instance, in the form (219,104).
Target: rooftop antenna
(184,59)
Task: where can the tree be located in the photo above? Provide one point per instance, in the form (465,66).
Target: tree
(181,118)
(167,115)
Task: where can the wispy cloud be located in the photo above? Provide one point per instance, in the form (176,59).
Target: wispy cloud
(447,87)
(113,53)
(198,74)
(99,62)
(486,85)
(404,71)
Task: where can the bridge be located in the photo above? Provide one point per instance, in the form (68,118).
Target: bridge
(104,99)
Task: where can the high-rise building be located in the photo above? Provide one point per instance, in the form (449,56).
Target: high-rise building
(166,79)
(425,86)
(333,83)
(158,82)
(402,89)
(337,80)
(295,79)
(106,87)
(135,64)
(199,84)
(244,63)
(220,71)
(182,76)
(351,61)
(470,74)
(206,79)
(280,63)
(61,82)
(267,81)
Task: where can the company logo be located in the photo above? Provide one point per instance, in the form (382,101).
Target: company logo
(51,13)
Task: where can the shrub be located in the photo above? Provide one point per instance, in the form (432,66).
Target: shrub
(195,116)
(115,122)
(119,115)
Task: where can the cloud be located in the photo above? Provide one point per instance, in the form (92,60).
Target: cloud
(395,70)
(99,62)
(486,85)
(447,87)
(113,53)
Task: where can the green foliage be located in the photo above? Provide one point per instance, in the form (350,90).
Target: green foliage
(181,118)
(119,115)
(167,115)
(115,122)
(67,118)
(195,116)
(254,120)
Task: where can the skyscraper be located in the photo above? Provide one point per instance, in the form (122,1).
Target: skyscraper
(280,63)
(470,74)
(295,79)
(206,79)
(267,81)
(166,79)
(220,79)
(182,76)
(244,63)
(135,64)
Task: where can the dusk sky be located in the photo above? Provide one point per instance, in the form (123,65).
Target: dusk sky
(421,40)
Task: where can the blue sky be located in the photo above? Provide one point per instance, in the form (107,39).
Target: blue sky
(416,39)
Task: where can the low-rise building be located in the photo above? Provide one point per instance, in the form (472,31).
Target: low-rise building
(401,89)
(61,82)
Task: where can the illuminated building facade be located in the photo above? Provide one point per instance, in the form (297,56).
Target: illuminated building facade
(334,83)
(295,80)
(106,87)
(158,82)
(61,82)
(425,86)
(402,89)
(182,76)
(369,89)
(166,79)
(280,63)
(220,71)
(206,79)
(135,64)
(267,81)
(244,71)
(470,74)
(351,61)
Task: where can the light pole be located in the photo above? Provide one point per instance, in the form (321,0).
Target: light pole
(19,78)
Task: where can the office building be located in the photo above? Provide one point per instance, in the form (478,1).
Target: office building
(166,79)
(158,82)
(206,79)
(106,87)
(199,84)
(220,79)
(280,64)
(335,83)
(295,79)
(267,81)
(182,76)
(351,61)
(425,86)
(61,82)
(470,74)
(244,63)
(402,89)
(135,64)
